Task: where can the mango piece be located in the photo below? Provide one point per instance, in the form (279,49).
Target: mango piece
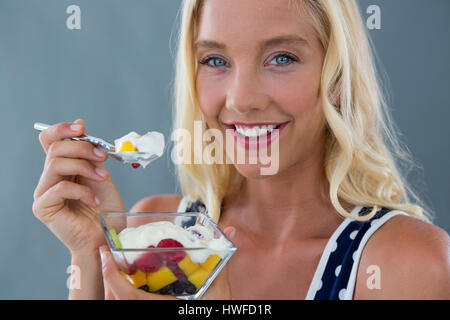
(138,279)
(198,277)
(161,278)
(127,146)
(211,262)
(188,266)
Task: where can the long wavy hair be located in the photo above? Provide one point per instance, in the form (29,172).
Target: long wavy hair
(363,152)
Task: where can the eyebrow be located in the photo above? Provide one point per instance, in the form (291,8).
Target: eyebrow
(286,39)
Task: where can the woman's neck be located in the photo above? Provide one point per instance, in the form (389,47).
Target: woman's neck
(297,187)
(293,203)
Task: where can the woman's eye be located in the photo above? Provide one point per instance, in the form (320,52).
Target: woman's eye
(213,62)
(283,59)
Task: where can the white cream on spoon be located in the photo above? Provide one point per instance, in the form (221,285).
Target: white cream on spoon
(141,149)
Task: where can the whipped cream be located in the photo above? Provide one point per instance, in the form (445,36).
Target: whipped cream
(151,143)
(151,234)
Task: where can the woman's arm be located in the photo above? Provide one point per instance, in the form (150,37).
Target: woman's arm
(159,203)
(412,260)
(89,265)
(90,286)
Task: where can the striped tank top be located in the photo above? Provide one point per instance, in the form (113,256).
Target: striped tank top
(335,275)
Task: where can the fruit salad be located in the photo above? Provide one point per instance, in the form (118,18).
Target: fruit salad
(171,271)
(151,143)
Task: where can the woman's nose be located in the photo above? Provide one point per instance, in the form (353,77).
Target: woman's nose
(245,93)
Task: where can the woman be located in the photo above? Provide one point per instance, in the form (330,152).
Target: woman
(305,68)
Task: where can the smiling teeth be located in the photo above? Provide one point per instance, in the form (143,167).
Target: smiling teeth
(255,131)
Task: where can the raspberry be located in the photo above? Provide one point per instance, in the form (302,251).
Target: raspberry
(131,268)
(169,243)
(135,165)
(148,262)
(172,256)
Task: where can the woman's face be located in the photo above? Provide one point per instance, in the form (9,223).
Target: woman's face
(259,65)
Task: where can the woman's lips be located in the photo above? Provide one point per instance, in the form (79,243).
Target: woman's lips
(259,142)
(252,124)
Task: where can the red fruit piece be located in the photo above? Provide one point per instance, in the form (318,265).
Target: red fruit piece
(148,262)
(169,243)
(175,270)
(135,165)
(131,268)
(173,256)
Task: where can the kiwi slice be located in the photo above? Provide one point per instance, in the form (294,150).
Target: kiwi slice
(115,238)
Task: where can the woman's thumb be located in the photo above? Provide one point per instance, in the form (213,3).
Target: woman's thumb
(220,288)
(230,232)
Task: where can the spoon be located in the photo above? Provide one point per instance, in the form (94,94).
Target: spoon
(133,157)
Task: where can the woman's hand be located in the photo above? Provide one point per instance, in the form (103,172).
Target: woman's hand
(73,188)
(118,288)
(220,288)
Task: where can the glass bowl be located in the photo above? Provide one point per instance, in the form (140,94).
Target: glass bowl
(168,267)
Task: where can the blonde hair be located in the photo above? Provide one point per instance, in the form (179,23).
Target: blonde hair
(361,143)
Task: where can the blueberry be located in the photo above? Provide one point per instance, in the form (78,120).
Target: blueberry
(165,290)
(145,288)
(185,222)
(178,287)
(190,288)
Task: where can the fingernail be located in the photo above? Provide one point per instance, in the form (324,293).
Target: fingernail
(102,255)
(102,173)
(99,153)
(97,201)
(75,127)
(232,233)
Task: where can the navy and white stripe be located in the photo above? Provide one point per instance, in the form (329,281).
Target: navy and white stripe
(335,276)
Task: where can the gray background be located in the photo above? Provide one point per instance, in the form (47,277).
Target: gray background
(116,73)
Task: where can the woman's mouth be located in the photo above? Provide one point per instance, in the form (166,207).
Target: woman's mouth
(255,135)
(255,131)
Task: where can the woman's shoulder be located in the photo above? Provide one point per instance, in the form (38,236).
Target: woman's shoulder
(410,260)
(158,203)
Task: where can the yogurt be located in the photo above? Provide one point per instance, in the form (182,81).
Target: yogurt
(151,234)
(148,145)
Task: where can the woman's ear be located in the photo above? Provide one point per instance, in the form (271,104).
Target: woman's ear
(338,101)
(334,95)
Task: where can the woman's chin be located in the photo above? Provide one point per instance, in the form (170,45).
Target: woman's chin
(256,171)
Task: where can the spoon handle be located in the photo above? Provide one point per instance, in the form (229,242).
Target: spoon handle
(94,140)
